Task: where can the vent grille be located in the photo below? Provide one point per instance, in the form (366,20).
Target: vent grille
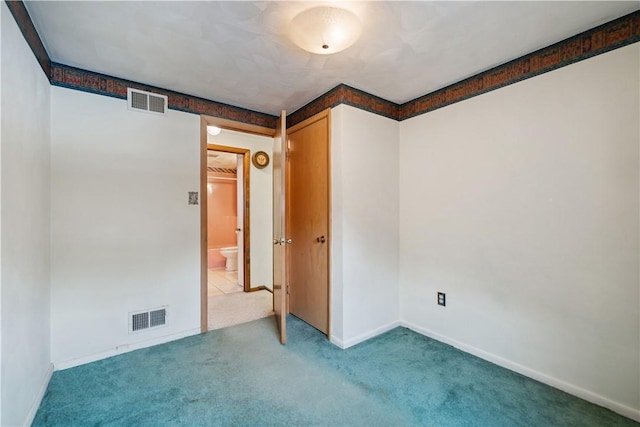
(139,100)
(157,317)
(140,321)
(156,104)
(148,319)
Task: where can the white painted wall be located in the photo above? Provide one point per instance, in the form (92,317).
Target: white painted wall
(123,235)
(25,288)
(260,203)
(522,205)
(364,225)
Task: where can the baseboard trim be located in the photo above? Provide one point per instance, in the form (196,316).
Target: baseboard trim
(587,395)
(126,348)
(336,341)
(38,400)
(344,344)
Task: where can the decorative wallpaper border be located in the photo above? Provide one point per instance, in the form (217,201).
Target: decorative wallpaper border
(222,171)
(88,81)
(604,38)
(21,15)
(343,94)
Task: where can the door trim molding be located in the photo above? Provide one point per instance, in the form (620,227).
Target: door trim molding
(239,126)
(204,306)
(316,117)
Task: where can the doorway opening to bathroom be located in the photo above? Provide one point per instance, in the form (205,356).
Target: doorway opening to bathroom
(228,231)
(236,225)
(231,297)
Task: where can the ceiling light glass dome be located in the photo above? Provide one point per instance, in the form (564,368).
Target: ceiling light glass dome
(325,30)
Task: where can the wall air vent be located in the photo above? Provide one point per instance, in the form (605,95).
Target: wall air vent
(148,319)
(139,100)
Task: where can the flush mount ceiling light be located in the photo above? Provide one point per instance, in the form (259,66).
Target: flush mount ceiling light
(324,29)
(213,130)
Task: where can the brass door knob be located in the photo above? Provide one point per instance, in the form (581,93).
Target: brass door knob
(321,239)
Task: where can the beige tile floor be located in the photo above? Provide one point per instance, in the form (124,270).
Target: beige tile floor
(222,282)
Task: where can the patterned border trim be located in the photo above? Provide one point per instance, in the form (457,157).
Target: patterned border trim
(21,15)
(604,38)
(343,94)
(225,171)
(88,81)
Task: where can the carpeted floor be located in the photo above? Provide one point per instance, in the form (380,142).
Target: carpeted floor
(242,376)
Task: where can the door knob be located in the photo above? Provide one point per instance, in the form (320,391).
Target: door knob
(288,241)
(321,239)
(276,241)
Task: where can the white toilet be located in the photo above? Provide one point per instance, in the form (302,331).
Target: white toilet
(231,254)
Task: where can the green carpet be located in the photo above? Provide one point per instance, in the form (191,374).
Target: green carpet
(241,376)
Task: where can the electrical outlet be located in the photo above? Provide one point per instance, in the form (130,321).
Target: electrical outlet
(442,299)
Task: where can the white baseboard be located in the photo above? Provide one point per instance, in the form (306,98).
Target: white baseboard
(38,400)
(66,364)
(363,337)
(336,341)
(587,395)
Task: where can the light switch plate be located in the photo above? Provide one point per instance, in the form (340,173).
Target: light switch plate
(193,197)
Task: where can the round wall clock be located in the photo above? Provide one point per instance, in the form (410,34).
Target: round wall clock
(260,159)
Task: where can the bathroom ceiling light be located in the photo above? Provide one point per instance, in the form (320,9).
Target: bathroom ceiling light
(325,30)
(213,130)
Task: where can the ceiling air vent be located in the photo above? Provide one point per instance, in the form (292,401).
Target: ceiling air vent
(140,100)
(148,319)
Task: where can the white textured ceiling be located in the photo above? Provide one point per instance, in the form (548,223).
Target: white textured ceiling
(239,53)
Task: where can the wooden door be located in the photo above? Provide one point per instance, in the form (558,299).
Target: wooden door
(279,228)
(308,220)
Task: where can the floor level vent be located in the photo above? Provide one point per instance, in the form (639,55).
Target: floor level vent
(139,100)
(148,319)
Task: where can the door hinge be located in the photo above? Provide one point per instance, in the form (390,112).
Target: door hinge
(288,289)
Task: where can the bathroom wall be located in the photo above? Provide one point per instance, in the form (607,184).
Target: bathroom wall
(522,205)
(24,245)
(261,204)
(222,217)
(123,236)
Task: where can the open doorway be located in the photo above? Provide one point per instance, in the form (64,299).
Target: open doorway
(236,224)
(229,240)
(228,219)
